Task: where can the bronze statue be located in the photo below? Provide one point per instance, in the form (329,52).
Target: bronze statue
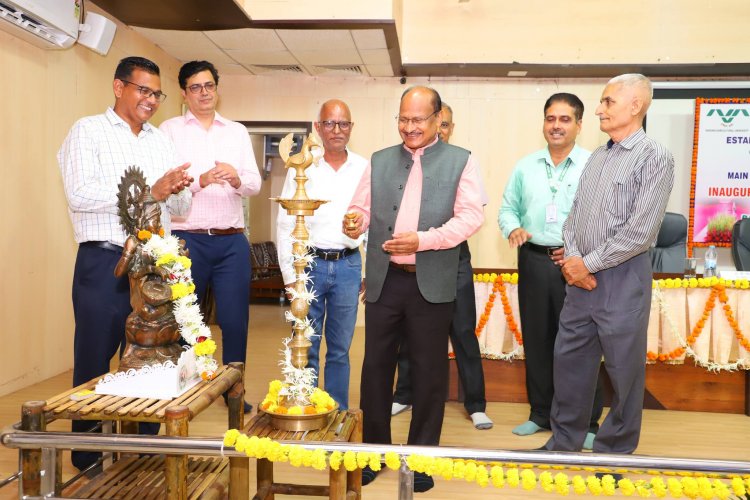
(151,330)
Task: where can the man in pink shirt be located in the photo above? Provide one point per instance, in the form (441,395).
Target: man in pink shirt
(420,200)
(223,164)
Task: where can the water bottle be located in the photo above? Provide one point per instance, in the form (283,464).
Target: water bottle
(709,262)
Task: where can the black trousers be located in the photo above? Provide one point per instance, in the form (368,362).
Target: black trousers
(399,315)
(464,341)
(101,304)
(541,294)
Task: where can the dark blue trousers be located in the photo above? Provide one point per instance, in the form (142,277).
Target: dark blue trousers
(101,304)
(224,263)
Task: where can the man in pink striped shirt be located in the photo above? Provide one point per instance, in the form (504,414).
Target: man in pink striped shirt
(223,164)
(420,200)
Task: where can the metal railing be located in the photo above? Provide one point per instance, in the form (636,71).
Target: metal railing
(48,442)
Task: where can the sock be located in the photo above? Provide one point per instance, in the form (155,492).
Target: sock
(588,443)
(481,420)
(526,429)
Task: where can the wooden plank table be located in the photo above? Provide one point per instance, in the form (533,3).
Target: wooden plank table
(342,426)
(173,476)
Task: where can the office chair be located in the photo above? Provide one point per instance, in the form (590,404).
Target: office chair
(741,244)
(668,256)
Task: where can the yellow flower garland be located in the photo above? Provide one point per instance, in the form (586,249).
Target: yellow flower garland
(691,485)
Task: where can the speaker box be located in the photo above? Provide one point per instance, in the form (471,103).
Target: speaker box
(97,33)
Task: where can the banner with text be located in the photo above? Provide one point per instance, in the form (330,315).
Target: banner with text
(720,180)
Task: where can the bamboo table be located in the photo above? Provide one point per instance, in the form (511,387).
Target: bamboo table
(173,476)
(343,426)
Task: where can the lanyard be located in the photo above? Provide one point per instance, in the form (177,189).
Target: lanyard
(553,184)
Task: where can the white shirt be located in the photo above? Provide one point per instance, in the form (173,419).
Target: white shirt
(324,183)
(93,158)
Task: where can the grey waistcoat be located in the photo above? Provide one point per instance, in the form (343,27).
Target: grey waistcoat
(442,166)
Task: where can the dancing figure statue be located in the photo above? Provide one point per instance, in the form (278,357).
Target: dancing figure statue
(151,330)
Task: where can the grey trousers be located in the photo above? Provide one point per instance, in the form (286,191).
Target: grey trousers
(609,321)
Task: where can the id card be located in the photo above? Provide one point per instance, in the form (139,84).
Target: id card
(550,215)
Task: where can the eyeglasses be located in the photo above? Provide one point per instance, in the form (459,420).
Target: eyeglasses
(196,88)
(147,92)
(403,121)
(329,125)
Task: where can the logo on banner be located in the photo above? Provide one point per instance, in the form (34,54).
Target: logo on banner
(728,116)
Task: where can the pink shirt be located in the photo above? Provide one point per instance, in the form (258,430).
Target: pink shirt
(217,206)
(467,209)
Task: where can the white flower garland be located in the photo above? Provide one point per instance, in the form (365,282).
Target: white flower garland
(185,308)
(711,366)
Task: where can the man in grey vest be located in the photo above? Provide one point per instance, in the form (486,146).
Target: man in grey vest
(420,200)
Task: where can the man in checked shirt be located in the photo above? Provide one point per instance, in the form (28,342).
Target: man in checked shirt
(92,159)
(615,218)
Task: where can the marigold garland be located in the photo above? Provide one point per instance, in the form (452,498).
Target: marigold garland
(165,250)
(691,485)
(498,286)
(718,290)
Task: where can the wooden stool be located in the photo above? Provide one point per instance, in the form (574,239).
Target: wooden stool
(342,426)
(173,477)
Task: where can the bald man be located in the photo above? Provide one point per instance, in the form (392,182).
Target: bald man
(463,338)
(614,220)
(420,200)
(336,270)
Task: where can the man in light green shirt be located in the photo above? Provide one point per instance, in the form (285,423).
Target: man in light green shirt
(536,202)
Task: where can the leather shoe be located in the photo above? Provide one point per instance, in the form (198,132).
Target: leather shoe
(368,475)
(422,482)
(246,407)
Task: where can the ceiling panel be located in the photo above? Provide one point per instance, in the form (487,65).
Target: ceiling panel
(369,39)
(327,57)
(232,69)
(192,53)
(247,39)
(175,37)
(262,57)
(328,40)
(380,56)
(380,70)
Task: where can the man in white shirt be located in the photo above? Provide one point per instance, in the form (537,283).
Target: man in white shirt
(92,160)
(336,271)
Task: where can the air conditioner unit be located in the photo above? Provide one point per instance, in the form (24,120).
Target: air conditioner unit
(50,24)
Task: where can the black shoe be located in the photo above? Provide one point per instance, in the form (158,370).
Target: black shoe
(616,477)
(368,475)
(422,482)
(246,408)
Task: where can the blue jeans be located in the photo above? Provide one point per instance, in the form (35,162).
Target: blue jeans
(334,312)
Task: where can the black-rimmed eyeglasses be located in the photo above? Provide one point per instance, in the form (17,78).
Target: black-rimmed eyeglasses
(403,121)
(146,92)
(329,125)
(196,88)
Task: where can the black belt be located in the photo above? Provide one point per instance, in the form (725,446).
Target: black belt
(334,254)
(540,248)
(106,245)
(216,232)
(408,268)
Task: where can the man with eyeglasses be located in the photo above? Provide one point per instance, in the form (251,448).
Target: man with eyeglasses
(92,160)
(336,270)
(462,335)
(536,202)
(222,161)
(420,200)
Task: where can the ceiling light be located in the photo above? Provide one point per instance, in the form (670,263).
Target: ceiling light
(517,73)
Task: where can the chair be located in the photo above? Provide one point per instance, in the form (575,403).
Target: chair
(668,256)
(266,280)
(741,244)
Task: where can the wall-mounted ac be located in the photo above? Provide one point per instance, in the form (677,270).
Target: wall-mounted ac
(50,24)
